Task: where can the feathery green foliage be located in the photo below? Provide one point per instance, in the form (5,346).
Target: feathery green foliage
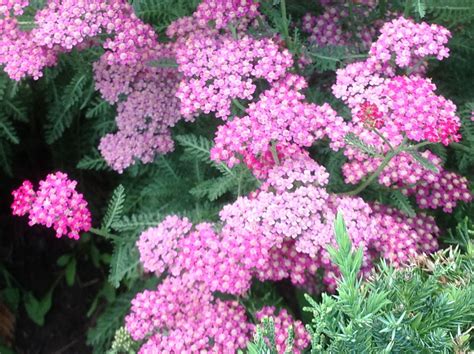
(425,307)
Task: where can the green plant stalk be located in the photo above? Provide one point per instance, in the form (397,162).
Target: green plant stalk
(103,233)
(274,153)
(377,172)
(461,147)
(286,31)
(238,104)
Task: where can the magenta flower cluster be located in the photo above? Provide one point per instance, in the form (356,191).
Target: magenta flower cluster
(282,116)
(55,204)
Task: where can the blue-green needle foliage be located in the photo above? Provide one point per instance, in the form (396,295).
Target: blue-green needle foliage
(426,307)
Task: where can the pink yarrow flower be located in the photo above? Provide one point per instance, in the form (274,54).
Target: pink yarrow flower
(55,204)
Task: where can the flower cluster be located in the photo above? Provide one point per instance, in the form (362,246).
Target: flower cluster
(182,315)
(328,29)
(390,109)
(282,322)
(55,204)
(225,12)
(410,42)
(280,115)
(218,69)
(62,25)
(145,114)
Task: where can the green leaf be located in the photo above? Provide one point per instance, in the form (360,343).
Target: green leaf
(11,296)
(402,202)
(355,141)
(124,262)
(93,161)
(37,309)
(71,272)
(420,8)
(423,161)
(115,208)
(7,130)
(63,260)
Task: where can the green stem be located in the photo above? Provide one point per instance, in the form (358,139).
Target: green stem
(284,18)
(461,147)
(238,104)
(384,139)
(417,146)
(377,172)
(274,153)
(103,233)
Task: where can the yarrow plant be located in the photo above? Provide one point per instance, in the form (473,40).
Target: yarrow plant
(55,204)
(293,148)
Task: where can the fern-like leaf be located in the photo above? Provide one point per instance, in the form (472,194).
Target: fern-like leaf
(355,141)
(93,162)
(137,222)
(451,11)
(60,115)
(423,161)
(124,262)
(402,202)
(7,131)
(115,208)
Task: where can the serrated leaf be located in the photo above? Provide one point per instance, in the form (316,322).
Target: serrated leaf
(423,161)
(123,262)
(115,208)
(7,130)
(94,162)
(137,222)
(402,202)
(355,141)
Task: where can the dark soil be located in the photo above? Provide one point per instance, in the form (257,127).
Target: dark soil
(30,254)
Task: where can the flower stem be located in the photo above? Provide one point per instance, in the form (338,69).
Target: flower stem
(461,147)
(103,233)
(385,161)
(274,153)
(238,104)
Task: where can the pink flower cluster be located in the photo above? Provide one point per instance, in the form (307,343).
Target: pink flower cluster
(387,108)
(15,7)
(182,315)
(327,29)
(444,189)
(282,322)
(145,114)
(225,12)
(63,25)
(218,69)
(282,116)
(410,42)
(55,204)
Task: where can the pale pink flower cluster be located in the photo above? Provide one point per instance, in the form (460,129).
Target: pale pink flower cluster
(182,315)
(328,29)
(218,69)
(281,116)
(225,12)
(145,114)
(409,42)
(62,25)
(19,54)
(401,170)
(158,245)
(55,204)
(12,7)
(283,321)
